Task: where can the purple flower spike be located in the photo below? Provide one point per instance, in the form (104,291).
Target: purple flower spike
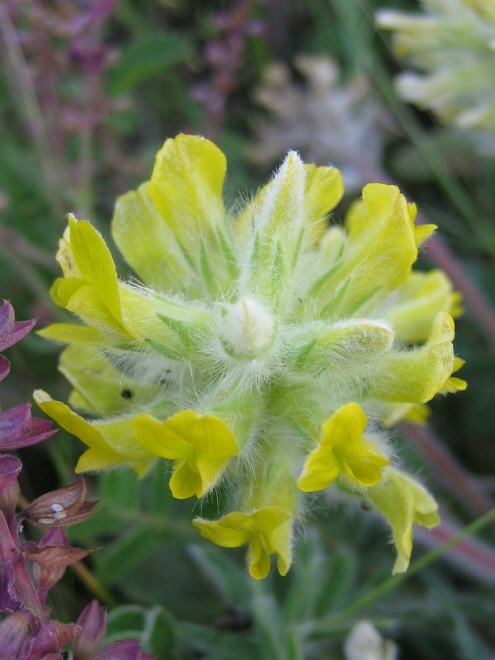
(93,622)
(18,429)
(10,331)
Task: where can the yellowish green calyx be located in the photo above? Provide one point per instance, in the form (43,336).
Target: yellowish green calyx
(403,502)
(252,349)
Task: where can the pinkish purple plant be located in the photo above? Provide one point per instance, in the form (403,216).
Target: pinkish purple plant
(29,570)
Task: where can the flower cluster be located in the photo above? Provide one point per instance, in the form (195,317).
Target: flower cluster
(452,43)
(261,351)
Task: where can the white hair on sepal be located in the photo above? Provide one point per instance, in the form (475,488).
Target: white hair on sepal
(149,368)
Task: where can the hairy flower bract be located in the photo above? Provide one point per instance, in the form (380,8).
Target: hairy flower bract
(266,349)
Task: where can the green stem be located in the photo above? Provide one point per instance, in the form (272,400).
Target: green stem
(392,582)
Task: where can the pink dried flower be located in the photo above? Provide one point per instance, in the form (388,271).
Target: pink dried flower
(61,508)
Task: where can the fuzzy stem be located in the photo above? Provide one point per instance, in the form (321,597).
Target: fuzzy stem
(392,582)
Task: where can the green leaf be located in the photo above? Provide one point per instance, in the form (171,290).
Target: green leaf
(335,582)
(120,487)
(217,644)
(159,632)
(231,581)
(148,56)
(309,568)
(123,554)
(125,618)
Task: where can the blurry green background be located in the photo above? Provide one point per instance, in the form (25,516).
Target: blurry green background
(89,91)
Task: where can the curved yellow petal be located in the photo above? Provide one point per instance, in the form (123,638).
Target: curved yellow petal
(221,533)
(74,334)
(379,252)
(103,456)
(149,244)
(323,191)
(110,443)
(161,438)
(417,304)
(268,531)
(416,375)
(342,449)
(95,263)
(403,502)
(186,479)
(204,443)
(186,187)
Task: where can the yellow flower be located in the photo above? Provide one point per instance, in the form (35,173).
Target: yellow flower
(342,449)
(110,442)
(201,445)
(250,335)
(267,530)
(403,502)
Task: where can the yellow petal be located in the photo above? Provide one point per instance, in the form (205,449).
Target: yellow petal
(416,375)
(90,307)
(417,304)
(74,334)
(403,502)
(258,557)
(323,191)
(268,531)
(149,245)
(221,534)
(95,263)
(62,289)
(102,455)
(110,443)
(204,442)
(186,187)
(379,253)
(342,448)
(161,438)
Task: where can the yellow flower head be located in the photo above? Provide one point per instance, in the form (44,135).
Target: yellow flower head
(245,341)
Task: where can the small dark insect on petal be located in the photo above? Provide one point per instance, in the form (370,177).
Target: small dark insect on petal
(126,393)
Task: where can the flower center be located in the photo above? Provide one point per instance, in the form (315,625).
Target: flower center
(248,328)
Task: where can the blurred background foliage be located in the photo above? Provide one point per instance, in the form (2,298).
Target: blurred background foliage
(89,91)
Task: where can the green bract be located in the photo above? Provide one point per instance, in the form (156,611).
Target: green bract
(257,347)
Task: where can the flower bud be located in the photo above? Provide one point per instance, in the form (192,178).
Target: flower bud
(13,631)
